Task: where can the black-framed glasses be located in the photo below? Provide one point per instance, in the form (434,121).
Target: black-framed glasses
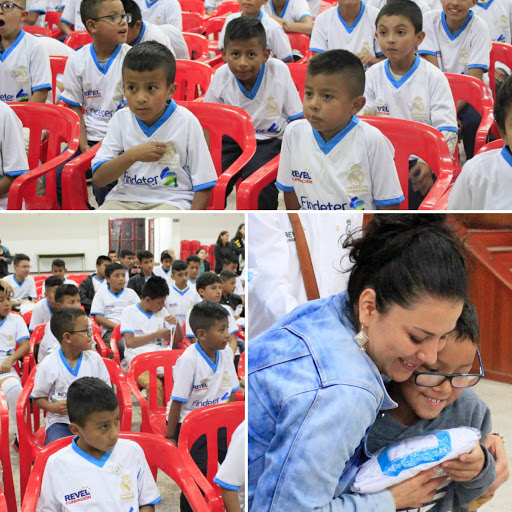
(9,6)
(457,380)
(88,331)
(115,18)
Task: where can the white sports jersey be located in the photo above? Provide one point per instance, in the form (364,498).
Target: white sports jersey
(71,14)
(231,474)
(98,283)
(40,314)
(70,281)
(150,32)
(239,289)
(468,48)
(293,10)
(354,170)
(272,103)
(110,305)
(161,12)
(160,272)
(199,383)
(484,183)
(423,95)
(75,481)
(13,158)
(178,43)
(422,4)
(22,290)
(179,302)
(331,32)
(95,87)
(233,327)
(24,68)
(185,168)
(12,331)
(54,376)
(37,6)
(277,40)
(192,284)
(498,16)
(55,47)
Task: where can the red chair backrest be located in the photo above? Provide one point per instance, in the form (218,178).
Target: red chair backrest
(78,39)
(299,42)
(192,6)
(192,22)
(7,502)
(57,65)
(27,317)
(3,503)
(500,52)
(193,79)
(241,367)
(495,144)
(78,278)
(114,339)
(41,31)
(226,7)
(214,26)
(118,380)
(53,19)
(29,359)
(197,46)
(185,249)
(298,72)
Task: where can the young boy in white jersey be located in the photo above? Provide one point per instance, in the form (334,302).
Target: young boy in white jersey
(229,297)
(422,4)
(231,264)
(155,149)
(333,161)
(59,269)
(193,266)
(44,308)
(262,87)
(23,285)
(161,12)
(24,65)
(73,360)
(348,26)
(164,269)
(71,18)
(204,375)
(459,42)
(182,295)
(97,471)
(127,260)
(407,87)
(292,15)
(92,283)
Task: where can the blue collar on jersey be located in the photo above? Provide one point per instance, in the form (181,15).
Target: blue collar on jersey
(99,280)
(213,366)
(449,33)
(326,147)
(3,321)
(398,83)
(282,12)
(149,315)
(150,4)
(93,460)
(11,48)
(49,308)
(255,88)
(142,30)
(112,293)
(104,69)
(16,281)
(75,371)
(150,130)
(485,6)
(507,155)
(181,292)
(350,28)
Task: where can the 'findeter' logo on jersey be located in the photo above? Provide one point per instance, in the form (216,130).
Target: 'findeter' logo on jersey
(75,497)
(21,95)
(169,177)
(356,203)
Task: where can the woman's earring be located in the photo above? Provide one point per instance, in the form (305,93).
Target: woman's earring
(361,339)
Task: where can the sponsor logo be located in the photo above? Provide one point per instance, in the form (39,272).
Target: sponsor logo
(75,497)
(94,93)
(225,397)
(169,177)
(22,95)
(152,181)
(382,110)
(356,203)
(126,487)
(271,108)
(200,387)
(100,112)
(205,403)
(290,236)
(6,97)
(501,39)
(302,176)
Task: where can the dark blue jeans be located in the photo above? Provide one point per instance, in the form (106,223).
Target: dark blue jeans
(57,431)
(470,120)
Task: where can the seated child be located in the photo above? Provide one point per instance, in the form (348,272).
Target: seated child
(161,13)
(36,12)
(178,43)
(262,87)
(164,269)
(59,269)
(229,298)
(92,283)
(44,308)
(71,18)
(292,15)
(146,264)
(434,398)
(422,4)
(182,295)
(109,473)
(231,263)
(73,360)
(333,161)
(23,285)
(407,87)
(193,267)
(13,158)
(155,149)
(204,375)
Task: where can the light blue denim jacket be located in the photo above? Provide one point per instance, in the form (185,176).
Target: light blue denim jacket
(313,396)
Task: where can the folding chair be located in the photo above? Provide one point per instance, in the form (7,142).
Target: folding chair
(241,367)
(7,502)
(57,65)
(193,6)
(78,39)
(226,7)
(298,72)
(197,46)
(193,79)
(192,22)
(160,454)
(63,126)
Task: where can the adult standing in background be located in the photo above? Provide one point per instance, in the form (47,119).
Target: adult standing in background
(5,259)
(238,246)
(221,250)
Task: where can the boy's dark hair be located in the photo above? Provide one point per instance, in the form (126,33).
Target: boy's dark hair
(467,324)
(343,63)
(149,56)
(101,259)
(126,252)
(111,250)
(65,289)
(178,266)
(243,29)
(406,8)
(112,267)
(206,279)
(230,259)
(131,7)
(89,10)
(52,281)
(503,103)
(64,320)
(226,275)
(144,255)
(154,288)
(20,257)
(204,314)
(193,258)
(88,395)
(58,263)
(165,256)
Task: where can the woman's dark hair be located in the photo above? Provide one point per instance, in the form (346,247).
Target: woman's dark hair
(238,232)
(405,256)
(219,240)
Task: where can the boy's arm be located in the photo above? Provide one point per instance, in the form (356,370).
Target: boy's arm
(8,362)
(133,341)
(431,58)
(173,420)
(230,498)
(39,96)
(65,28)
(105,322)
(59,407)
(83,144)
(5,183)
(147,508)
(291,201)
(201,199)
(304,26)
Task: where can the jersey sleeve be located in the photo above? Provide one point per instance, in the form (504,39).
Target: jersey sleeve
(223,32)
(370,93)
(68,14)
(174,14)
(112,145)
(461,197)
(214,92)
(430,45)
(36,317)
(292,107)
(42,385)
(40,72)
(13,158)
(128,321)
(300,10)
(72,81)
(231,474)
(21,330)
(102,372)
(188,329)
(232,325)
(279,43)
(318,42)
(148,491)
(36,6)
(480,47)
(284,178)
(183,376)
(442,106)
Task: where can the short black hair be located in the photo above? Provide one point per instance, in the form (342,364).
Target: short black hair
(178,266)
(101,259)
(150,56)
(88,395)
(58,263)
(64,290)
(112,267)
(166,256)
(154,288)
(193,258)
(89,10)
(52,281)
(131,7)
(126,252)
(244,28)
(503,104)
(144,255)
(230,259)
(206,279)
(226,275)
(64,320)
(343,63)
(406,8)
(20,257)
(112,250)
(205,313)
(467,325)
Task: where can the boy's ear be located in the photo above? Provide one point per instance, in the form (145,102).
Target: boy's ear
(66,337)
(90,25)
(223,53)
(359,103)
(419,37)
(24,15)
(201,292)
(171,91)
(267,54)
(75,429)
(201,334)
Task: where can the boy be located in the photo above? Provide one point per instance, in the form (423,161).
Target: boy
(164,269)
(193,267)
(422,4)
(71,17)
(406,87)
(59,269)
(262,87)
(146,265)
(114,472)
(434,398)
(292,15)
(333,161)
(155,149)
(127,260)
(73,360)
(203,375)
(23,285)
(92,283)
(44,309)
(167,12)
(229,298)
(182,296)
(485,181)
(24,65)
(459,42)
(112,254)
(231,263)
(349,26)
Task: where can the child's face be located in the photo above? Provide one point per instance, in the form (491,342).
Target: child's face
(147,265)
(59,271)
(81,337)
(112,256)
(211,292)
(5,304)
(251,7)
(10,22)
(329,103)
(117,280)
(457,10)
(70,301)
(397,37)
(50,295)
(22,269)
(217,336)
(166,264)
(100,269)
(180,278)
(128,261)
(103,29)
(231,266)
(228,287)
(154,305)
(193,270)
(147,93)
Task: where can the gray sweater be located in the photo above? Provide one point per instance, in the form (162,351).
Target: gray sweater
(467,411)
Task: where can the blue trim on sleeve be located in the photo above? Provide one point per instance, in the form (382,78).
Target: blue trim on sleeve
(69,102)
(481,66)
(448,128)
(97,313)
(296,116)
(505,153)
(284,188)
(23,338)
(43,86)
(305,16)
(15,173)
(67,22)
(37,10)
(235,389)
(225,485)
(93,168)
(288,58)
(316,50)
(191,336)
(126,330)
(158,500)
(387,202)
(183,400)
(379,54)
(210,184)
(427,52)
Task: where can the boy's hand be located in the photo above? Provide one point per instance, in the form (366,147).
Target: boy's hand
(421,178)
(467,466)
(60,407)
(165,334)
(149,152)
(6,365)
(7,288)
(171,320)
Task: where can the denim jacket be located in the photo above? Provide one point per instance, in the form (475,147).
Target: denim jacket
(313,396)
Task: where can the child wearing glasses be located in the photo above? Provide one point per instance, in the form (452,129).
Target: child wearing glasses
(435,398)
(55,374)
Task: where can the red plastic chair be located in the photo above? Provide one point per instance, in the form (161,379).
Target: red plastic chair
(185,251)
(192,22)
(299,42)
(193,79)
(213,27)
(53,20)
(78,39)
(500,52)
(57,65)
(192,6)
(236,124)
(63,126)
(7,502)
(114,340)
(241,367)
(153,417)
(197,46)
(27,317)
(216,62)
(40,31)
(495,144)
(78,278)
(3,503)
(160,454)
(29,360)
(298,72)
(226,7)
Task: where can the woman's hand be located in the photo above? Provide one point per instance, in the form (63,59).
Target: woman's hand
(496,447)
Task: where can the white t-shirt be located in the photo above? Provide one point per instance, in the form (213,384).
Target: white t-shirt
(422,4)
(498,16)
(468,48)
(54,376)
(161,12)
(179,302)
(199,383)
(95,87)
(98,283)
(74,480)
(71,14)
(110,305)
(277,40)
(160,272)
(272,104)
(37,6)
(178,43)
(150,32)
(233,327)
(12,330)
(331,32)
(354,170)
(24,68)
(40,314)
(22,290)
(293,10)
(185,168)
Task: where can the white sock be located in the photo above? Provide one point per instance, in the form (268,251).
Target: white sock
(11,386)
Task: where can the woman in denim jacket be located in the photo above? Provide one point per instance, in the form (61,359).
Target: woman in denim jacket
(315,387)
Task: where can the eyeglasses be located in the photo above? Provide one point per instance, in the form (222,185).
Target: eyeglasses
(457,380)
(88,331)
(9,6)
(115,18)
